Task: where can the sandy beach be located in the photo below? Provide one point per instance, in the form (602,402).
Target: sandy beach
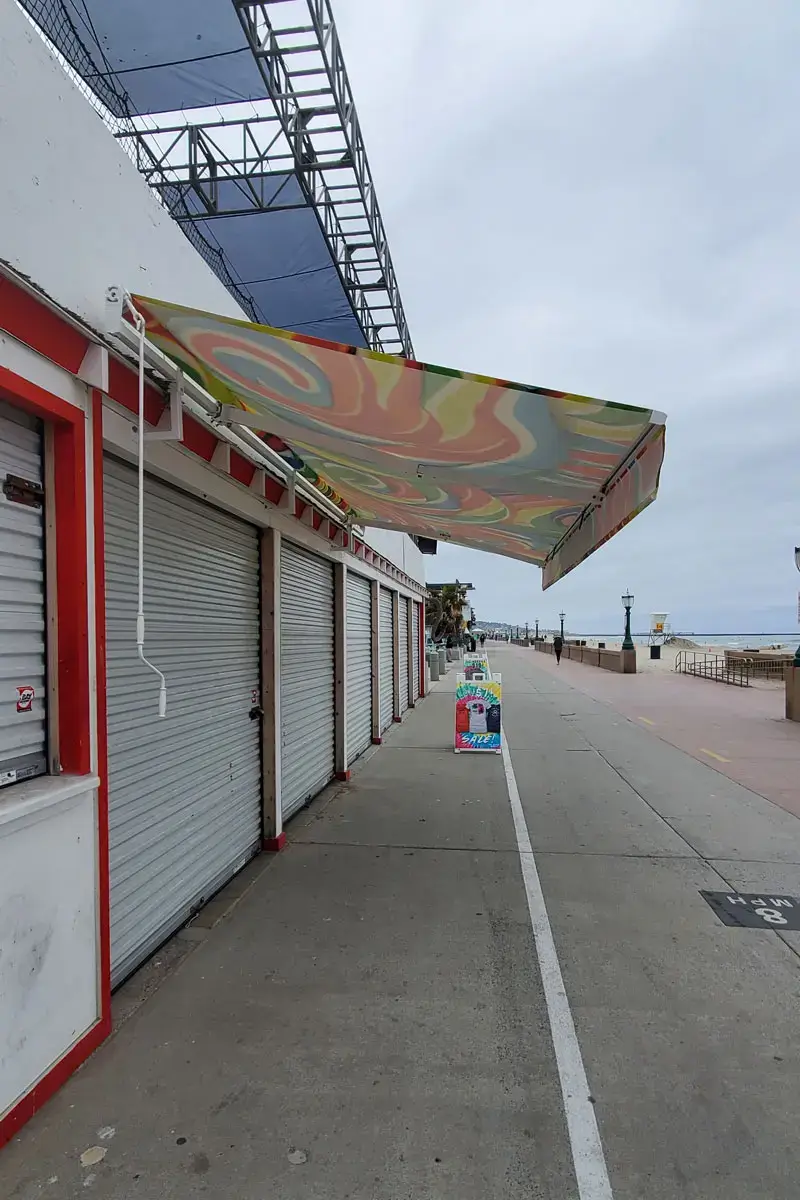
(669,654)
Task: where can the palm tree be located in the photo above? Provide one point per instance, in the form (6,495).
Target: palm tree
(443,611)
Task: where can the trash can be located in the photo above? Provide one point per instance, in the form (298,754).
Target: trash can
(655,652)
(601,645)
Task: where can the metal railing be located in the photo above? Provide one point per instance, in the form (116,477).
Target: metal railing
(713,666)
(765,668)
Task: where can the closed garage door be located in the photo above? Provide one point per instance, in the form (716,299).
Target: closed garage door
(306,676)
(403,642)
(185,790)
(415,649)
(359,665)
(386,638)
(23,730)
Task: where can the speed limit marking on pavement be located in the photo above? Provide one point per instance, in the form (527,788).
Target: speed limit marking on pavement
(755,910)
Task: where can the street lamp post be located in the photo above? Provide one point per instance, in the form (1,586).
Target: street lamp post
(797,564)
(561,617)
(536,634)
(627,604)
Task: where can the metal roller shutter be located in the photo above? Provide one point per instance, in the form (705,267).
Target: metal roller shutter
(184,790)
(415,650)
(23,725)
(359,665)
(386,642)
(403,644)
(306,676)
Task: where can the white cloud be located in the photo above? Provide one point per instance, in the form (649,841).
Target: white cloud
(602,198)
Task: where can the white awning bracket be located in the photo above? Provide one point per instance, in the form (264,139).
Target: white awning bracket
(170,426)
(139,324)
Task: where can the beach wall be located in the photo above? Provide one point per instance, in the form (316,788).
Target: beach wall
(622,661)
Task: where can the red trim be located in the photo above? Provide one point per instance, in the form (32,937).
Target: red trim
(72,594)
(72,599)
(198,439)
(343,776)
(377,741)
(274,845)
(33,323)
(242,470)
(273,490)
(421,649)
(41,1092)
(104,883)
(397,719)
(34,399)
(123,386)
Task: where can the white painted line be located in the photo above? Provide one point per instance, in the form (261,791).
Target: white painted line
(588,1158)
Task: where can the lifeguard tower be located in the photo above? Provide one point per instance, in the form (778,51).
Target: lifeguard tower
(660,630)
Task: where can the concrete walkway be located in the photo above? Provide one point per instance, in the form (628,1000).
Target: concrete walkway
(741,732)
(369,1021)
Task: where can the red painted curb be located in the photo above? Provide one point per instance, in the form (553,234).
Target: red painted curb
(274,845)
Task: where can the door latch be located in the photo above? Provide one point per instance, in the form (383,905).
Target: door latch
(23,491)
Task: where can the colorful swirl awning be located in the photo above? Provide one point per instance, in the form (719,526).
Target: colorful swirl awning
(527,472)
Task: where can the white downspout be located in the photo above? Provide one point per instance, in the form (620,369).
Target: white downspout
(139,322)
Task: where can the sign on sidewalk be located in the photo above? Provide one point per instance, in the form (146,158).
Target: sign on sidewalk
(755,910)
(478,714)
(476,664)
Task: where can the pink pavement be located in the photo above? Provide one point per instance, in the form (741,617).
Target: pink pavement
(740,732)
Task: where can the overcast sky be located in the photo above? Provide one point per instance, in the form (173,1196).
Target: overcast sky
(601,196)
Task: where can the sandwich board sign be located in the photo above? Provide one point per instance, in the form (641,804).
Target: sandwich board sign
(476,664)
(478,724)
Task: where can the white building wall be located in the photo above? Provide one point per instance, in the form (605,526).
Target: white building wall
(75,214)
(399,549)
(48,928)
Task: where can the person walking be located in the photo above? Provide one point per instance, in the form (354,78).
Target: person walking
(483,640)
(558,646)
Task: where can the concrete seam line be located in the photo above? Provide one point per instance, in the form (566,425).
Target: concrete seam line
(588,1158)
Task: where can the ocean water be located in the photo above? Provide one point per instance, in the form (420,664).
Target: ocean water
(735,641)
(741,640)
